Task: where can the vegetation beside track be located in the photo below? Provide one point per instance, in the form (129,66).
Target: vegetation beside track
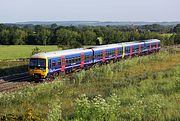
(142,88)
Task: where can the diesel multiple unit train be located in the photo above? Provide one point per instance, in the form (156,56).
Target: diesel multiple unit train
(45,64)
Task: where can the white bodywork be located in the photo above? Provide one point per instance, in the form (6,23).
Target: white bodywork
(104,47)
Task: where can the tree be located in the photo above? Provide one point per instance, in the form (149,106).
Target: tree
(98,32)
(177,28)
(109,35)
(2,27)
(42,35)
(19,37)
(177,38)
(36,50)
(99,41)
(67,38)
(54,26)
(4,37)
(89,37)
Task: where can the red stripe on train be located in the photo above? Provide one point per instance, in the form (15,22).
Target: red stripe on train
(63,63)
(82,60)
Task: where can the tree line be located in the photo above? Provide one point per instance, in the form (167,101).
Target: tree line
(76,36)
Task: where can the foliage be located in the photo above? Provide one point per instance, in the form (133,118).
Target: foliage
(177,38)
(29,96)
(97,109)
(55,112)
(142,88)
(67,37)
(177,28)
(76,36)
(36,50)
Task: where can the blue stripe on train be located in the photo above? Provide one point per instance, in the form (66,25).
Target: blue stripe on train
(68,67)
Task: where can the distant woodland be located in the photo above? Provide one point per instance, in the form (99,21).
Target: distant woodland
(77,36)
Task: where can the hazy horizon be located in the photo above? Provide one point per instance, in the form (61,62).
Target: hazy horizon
(89,10)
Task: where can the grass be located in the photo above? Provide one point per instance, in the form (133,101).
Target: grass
(13,58)
(145,88)
(22,51)
(167,35)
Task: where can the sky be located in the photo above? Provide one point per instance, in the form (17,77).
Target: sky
(89,10)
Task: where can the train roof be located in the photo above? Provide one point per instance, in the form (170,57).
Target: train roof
(131,43)
(139,42)
(151,40)
(96,48)
(60,53)
(109,46)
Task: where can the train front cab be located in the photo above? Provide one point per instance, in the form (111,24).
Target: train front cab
(38,68)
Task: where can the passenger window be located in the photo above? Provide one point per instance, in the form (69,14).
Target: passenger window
(53,64)
(72,60)
(77,59)
(67,61)
(120,51)
(99,55)
(107,53)
(59,62)
(86,57)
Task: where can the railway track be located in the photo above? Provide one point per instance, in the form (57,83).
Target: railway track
(12,82)
(16,81)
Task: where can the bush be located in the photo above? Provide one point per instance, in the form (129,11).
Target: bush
(36,50)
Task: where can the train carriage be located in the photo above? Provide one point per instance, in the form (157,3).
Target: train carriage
(133,48)
(45,64)
(152,45)
(140,47)
(107,52)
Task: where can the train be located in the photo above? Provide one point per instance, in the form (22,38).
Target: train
(46,64)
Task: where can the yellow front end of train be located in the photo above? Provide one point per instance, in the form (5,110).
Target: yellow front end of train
(38,67)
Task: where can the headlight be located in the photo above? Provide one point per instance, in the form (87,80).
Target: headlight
(30,71)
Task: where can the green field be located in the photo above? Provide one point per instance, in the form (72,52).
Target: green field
(22,51)
(137,89)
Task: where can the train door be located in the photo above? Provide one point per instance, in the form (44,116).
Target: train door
(82,60)
(123,51)
(139,52)
(93,55)
(131,51)
(156,45)
(116,53)
(104,55)
(63,63)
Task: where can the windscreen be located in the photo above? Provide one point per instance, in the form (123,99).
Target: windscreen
(37,63)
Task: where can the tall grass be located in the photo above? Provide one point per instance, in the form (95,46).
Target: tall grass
(143,88)
(149,99)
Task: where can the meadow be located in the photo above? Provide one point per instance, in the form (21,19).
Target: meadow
(22,51)
(137,89)
(14,58)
